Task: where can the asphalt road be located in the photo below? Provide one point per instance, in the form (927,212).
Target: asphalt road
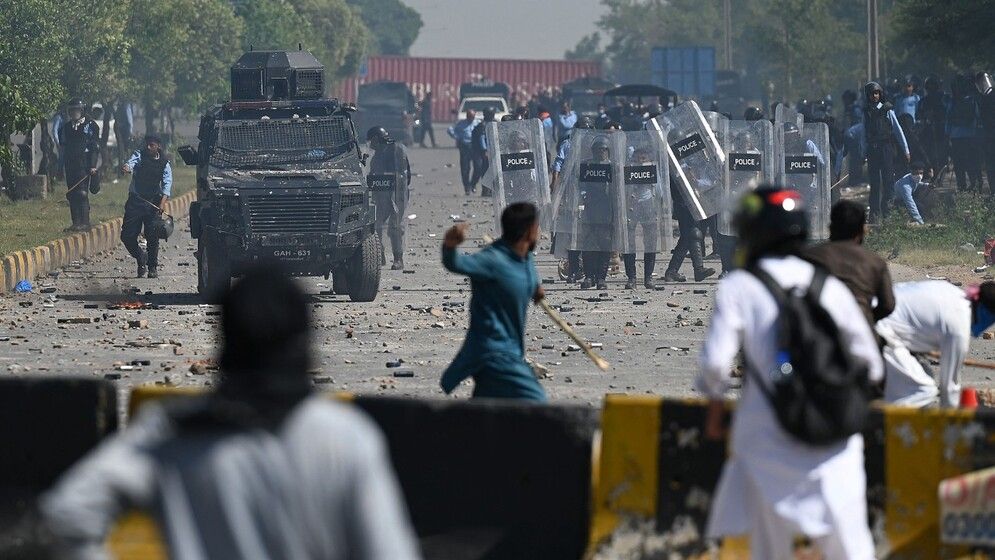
(650,337)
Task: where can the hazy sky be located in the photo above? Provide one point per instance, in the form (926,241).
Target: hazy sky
(530,29)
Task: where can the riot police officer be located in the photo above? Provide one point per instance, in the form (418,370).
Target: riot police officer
(882,134)
(151,186)
(986,109)
(80,141)
(390,179)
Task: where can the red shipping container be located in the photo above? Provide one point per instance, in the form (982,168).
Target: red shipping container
(444,76)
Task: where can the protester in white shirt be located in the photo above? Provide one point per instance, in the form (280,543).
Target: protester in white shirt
(774,487)
(932,316)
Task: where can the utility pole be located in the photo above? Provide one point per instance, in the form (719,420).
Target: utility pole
(727,20)
(873,54)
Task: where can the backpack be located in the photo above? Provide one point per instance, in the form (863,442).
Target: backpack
(822,396)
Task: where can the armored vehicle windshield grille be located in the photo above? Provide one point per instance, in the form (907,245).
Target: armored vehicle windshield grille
(310,83)
(353,199)
(280,141)
(290,214)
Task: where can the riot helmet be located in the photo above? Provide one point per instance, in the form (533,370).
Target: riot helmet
(753,114)
(872,87)
(933,85)
(489,113)
(983,81)
(377,135)
(600,149)
(517,142)
(75,108)
(770,221)
(653,110)
(163,227)
(584,122)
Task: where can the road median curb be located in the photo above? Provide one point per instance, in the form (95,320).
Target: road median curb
(29,264)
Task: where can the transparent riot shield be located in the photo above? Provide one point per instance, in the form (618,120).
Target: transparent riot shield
(388,179)
(589,208)
(804,167)
(647,206)
(518,167)
(696,159)
(749,147)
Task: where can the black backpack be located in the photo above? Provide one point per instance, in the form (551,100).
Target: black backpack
(822,394)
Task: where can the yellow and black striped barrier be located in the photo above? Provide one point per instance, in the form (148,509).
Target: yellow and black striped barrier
(657,470)
(38,261)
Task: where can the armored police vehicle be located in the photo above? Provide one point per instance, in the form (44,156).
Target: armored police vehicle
(280,176)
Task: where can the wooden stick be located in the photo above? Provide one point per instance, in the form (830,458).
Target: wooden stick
(602,363)
(967,362)
(843,178)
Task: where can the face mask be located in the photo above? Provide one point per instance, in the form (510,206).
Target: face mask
(984,319)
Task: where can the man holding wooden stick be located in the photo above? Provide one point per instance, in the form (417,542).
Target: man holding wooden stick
(504,280)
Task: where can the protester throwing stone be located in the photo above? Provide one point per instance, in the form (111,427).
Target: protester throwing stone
(260,468)
(503,280)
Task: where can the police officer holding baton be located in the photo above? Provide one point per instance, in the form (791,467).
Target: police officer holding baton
(151,185)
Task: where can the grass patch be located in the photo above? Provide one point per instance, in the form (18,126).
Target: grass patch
(969,219)
(30,223)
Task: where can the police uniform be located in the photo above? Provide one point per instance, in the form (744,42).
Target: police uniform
(80,148)
(391,160)
(151,181)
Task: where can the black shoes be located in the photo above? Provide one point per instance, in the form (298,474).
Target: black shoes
(700,275)
(153,273)
(674,276)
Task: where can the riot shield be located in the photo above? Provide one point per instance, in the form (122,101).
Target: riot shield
(589,208)
(749,147)
(388,179)
(517,152)
(647,205)
(696,159)
(804,167)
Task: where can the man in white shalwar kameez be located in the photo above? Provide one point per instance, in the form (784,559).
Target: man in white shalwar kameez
(932,316)
(774,487)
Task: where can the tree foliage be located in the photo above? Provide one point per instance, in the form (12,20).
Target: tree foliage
(394,26)
(957,33)
(341,40)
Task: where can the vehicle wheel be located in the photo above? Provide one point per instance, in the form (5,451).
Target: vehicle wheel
(363,277)
(213,268)
(340,285)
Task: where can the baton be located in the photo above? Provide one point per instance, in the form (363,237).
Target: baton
(598,360)
(837,183)
(78,183)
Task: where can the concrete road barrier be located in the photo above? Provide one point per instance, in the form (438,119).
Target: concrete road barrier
(39,261)
(46,425)
(657,475)
(481,479)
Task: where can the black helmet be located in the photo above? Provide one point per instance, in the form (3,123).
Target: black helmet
(770,219)
(933,84)
(871,87)
(599,142)
(377,134)
(653,110)
(584,122)
(163,227)
(754,114)
(489,113)
(75,103)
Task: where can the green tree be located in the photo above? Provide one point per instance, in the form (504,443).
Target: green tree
(274,25)
(588,48)
(957,33)
(341,40)
(393,25)
(34,42)
(185,63)
(95,67)
(805,49)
